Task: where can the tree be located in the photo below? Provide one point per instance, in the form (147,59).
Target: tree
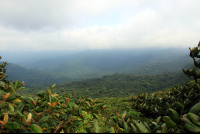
(194,53)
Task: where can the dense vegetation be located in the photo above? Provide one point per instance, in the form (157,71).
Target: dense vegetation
(176,109)
(117,85)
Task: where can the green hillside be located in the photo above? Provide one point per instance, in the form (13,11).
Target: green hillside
(32,77)
(117,85)
(96,64)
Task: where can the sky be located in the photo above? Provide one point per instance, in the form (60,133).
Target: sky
(39,25)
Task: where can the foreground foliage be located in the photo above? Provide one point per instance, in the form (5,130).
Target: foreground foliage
(47,112)
(177,110)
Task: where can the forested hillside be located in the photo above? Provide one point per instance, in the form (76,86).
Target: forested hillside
(97,63)
(32,77)
(114,61)
(117,85)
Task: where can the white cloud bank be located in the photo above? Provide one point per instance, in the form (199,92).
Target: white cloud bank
(98,24)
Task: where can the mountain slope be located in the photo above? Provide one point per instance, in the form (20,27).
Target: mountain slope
(95,64)
(118,85)
(121,61)
(32,77)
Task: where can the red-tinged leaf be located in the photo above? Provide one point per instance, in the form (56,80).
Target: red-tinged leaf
(117,114)
(4,96)
(7,95)
(55,103)
(67,100)
(1,122)
(35,128)
(123,116)
(34,103)
(49,104)
(44,129)
(5,119)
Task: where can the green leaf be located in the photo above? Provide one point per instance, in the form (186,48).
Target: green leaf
(194,118)
(169,122)
(195,109)
(189,126)
(53,85)
(39,109)
(164,130)
(20,107)
(126,128)
(12,97)
(174,115)
(44,119)
(112,130)
(133,127)
(35,128)
(96,127)
(11,107)
(155,129)
(56,107)
(96,116)
(88,130)
(16,82)
(108,131)
(42,125)
(2,84)
(3,104)
(158,119)
(11,88)
(80,111)
(12,125)
(141,128)
(21,88)
(4,77)
(41,94)
(23,120)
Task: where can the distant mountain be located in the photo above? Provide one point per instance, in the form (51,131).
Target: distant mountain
(101,62)
(146,63)
(100,56)
(32,77)
(20,57)
(97,63)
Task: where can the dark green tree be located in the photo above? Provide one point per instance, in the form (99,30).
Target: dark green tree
(194,53)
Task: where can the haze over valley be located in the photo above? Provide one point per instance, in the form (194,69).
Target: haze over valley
(87,65)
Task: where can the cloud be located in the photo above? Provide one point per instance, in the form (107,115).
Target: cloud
(98,24)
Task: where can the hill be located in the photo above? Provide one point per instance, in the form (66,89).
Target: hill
(32,77)
(97,63)
(117,85)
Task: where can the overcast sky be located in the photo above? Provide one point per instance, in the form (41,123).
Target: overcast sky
(98,24)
